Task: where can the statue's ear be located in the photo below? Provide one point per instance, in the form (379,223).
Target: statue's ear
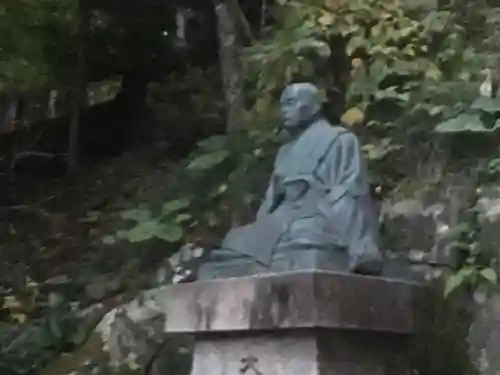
(303,109)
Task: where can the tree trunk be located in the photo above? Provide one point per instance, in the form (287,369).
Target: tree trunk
(52,105)
(79,88)
(230,46)
(229,53)
(8,114)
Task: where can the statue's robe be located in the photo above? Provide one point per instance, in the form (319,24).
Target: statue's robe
(317,199)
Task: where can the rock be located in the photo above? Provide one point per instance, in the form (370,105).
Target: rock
(484,337)
(463,333)
(131,334)
(490,219)
(421,225)
(416,230)
(441,348)
(484,334)
(129,340)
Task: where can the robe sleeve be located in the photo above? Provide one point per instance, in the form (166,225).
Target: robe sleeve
(347,172)
(352,211)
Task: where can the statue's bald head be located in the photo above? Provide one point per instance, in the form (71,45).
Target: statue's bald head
(300,104)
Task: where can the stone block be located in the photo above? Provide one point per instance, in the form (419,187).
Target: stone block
(308,352)
(308,322)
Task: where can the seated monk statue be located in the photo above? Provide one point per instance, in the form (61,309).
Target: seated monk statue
(317,212)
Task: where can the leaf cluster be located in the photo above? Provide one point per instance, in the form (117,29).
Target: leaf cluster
(33,35)
(26,349)
(474,269)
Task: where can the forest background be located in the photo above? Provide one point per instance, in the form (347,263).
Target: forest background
(135,133)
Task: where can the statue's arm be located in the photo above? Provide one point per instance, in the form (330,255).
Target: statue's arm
(347,169)
(350,195)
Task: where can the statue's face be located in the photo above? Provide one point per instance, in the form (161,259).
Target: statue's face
(298,105)
(290,111)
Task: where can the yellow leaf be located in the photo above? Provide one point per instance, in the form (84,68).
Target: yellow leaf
(261,105)
(406,31)
(133,366)
(333,4)
(352,116)
(326,19)
(30,283)
(377,30)
(409,50)
(356,63)
(433,73)
(10,302)
(19,317)
(385,15)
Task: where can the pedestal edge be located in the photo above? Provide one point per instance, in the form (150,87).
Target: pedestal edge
(293,300)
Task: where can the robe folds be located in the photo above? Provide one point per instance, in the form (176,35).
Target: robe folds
(317,199)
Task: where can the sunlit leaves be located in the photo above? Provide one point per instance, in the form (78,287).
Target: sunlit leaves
(384,41)
(147,230)
(175,206)
(436,21)
(136,214)
(15,308)
(166,226)
(214,143)
(354,44)
(208,160)
(462,277)
(490,105)
(169,232)
(380,149)
(490,275)
(326,19)
(462,123)
(433,73)
(392,93)
(469,275)
(353,116)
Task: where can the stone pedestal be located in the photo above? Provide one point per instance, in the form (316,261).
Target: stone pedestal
(303,323)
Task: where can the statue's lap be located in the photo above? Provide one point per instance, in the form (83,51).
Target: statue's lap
(225,263)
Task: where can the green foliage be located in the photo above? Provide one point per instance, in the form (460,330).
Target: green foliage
(407,68)
(27,349)
(464,123)
(483,118)
(208,160)
(474,268)
(207,181)
(35,35)
(390,50)
(480,115)
(167,226)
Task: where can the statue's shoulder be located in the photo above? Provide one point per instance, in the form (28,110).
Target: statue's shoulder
(327,130)
(343,134)
(337,129)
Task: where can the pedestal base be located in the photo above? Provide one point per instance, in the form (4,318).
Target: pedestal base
(308,352)
(303,323)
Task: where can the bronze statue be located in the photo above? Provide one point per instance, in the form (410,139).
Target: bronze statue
(317,212)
